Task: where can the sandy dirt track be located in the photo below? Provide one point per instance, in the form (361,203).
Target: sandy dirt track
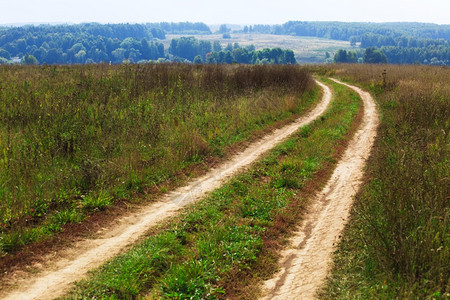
(306,262)
(55,278)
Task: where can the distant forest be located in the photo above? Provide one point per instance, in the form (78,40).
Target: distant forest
(199,51)
(403,43)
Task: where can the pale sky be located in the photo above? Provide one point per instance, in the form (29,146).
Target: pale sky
(224,11)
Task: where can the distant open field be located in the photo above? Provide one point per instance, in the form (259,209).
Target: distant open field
(306,49)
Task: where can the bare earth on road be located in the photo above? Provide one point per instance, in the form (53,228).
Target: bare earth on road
(306,262)
(55,278)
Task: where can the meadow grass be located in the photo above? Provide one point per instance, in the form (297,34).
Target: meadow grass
(397,242)
(75,139)
(224,245)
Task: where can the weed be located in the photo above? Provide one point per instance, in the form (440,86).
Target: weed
(399,228)
(114,132)
(96,201)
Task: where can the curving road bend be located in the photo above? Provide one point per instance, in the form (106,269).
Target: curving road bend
(63,269)
(306,262)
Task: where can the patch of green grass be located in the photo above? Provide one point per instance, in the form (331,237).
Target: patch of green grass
(96,201)
(223,239)
(129,274)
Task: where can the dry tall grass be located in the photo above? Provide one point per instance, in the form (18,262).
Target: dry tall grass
(74,139)
(401,219)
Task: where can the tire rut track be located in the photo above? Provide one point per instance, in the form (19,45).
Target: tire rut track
(306,262)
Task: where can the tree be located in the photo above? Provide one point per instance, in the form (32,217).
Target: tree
(228,58)
(251,48)
(276,55)
(185,47)
(146,51)
(118,55)
(134,55)
(211,58)
(289,57)
(342,56)
(77,47)
(130,43)
(229,47)
(5,54)
(29,60)
(223,29)
(74,51)
(241,56)
(204,47)
(40,54)
(158,33)
(21,45)
(54,56)
(96,55)
(217,46)
(160,50)
(198,60)
(374,56)
(80,56)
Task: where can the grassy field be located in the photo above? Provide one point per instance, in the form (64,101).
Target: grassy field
(75,139)
(306,49)
(224,245)
(397,243)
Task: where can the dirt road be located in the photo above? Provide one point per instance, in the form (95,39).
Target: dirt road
(304,265)
(55,278)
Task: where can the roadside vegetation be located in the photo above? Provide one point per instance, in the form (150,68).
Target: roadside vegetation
(76,139)
(397,244)
(223,246)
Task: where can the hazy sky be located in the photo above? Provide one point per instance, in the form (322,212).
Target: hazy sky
(224,11)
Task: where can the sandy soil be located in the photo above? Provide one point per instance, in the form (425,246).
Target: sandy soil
(57,276)
(306,262)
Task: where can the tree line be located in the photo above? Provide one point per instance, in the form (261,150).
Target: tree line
(202,51)
(249,56)
(181,27)
(370,55)
(95,43)
(70,49)
(89,43)
(401,43)
(354,30)
(396,55)
(396,43)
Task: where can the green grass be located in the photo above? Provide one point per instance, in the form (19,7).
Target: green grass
(75,139)
(221,246)
(397,242)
